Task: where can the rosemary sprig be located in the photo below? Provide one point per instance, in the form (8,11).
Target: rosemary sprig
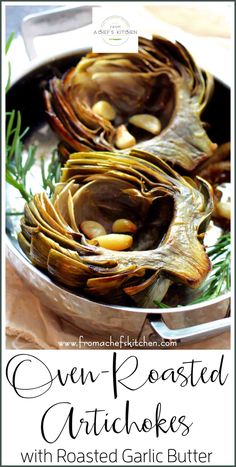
(219,278)
(19,160)
(160,304)
(8,43)
(50,174)
(14,213)
(17,164)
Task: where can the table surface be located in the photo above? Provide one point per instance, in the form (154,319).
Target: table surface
(29,324)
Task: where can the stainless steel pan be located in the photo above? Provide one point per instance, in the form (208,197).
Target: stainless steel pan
(180,324)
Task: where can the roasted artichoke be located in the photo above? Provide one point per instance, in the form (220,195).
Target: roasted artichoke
(151,101)
(217,172)
(120,226)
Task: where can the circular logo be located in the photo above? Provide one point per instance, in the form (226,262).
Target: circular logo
(115,30)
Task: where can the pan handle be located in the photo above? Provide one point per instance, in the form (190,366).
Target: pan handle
(191,333)
(52,22)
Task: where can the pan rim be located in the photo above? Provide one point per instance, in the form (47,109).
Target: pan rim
(39,62)
(180,309)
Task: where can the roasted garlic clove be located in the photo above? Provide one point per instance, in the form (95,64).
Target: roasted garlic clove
(146,122)
(104,110)
(123,138)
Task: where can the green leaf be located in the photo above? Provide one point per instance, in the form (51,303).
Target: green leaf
(160,304)
(16,168)
(7,46)
(11,180)
(9,41)
(52,175)
(8,78)
(9,126)
(14,213)
(42,164)
(30,161)
(16,135)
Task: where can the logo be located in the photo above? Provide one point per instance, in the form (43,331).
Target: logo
(113,32)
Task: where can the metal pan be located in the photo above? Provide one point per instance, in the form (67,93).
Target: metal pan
(180,324)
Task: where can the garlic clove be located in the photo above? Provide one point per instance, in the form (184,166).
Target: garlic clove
(104,110)
(123,226)
(146,122)
(124,139)
(116,242)
(92,229)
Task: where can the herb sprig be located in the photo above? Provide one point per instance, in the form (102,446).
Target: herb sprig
(218,280)
(18,165)
(8,43)
(50,174)
(19,160)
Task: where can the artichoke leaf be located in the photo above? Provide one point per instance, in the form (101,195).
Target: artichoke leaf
(24,244)
(149,295)
(67,270)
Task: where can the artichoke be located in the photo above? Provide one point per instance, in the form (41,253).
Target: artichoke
(217,173)
(151,101)
(217,169)
(120,227)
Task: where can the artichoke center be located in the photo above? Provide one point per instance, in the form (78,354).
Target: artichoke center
(115,208)
(136,112)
